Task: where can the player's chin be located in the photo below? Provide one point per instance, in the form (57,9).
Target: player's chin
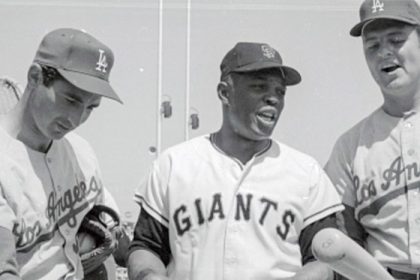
(58,134)
(265,130)
(262,133)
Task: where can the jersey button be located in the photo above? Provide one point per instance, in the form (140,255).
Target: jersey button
(49,160)
(411,152)
(408,125)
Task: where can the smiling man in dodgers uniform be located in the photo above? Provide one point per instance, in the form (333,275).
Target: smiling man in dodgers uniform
(49,177)
(375,165)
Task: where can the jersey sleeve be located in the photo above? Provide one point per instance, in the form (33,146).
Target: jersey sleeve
(322,199)
(151,194)
(8,216)
(339,170)
(9,189)
(8,265)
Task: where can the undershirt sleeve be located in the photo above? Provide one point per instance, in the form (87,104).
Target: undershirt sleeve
(151,235)
(308,233)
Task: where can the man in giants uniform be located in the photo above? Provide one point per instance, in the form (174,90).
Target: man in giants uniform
(376,164)
(49,176)
(235,204)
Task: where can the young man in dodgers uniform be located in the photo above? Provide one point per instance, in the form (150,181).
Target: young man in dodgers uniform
(235,204)
(49,176)
(376,164)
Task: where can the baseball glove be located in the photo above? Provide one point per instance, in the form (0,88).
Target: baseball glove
(106,241)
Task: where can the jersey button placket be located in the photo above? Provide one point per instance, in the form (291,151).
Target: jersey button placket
(231,250)
(409,144)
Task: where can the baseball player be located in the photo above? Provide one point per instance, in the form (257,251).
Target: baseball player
(49,176)
(235,204)
(376,164)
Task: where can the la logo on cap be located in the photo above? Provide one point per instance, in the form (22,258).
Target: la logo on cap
(102,64)
(268,51)
(377,5)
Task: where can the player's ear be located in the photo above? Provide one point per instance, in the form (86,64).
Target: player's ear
(223,91)
(35,77)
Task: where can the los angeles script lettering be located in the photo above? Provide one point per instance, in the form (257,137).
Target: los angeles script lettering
(392,176)
(60,209)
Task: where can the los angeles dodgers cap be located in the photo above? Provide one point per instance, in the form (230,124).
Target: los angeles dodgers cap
(402,10)
(80,58)
(249,57)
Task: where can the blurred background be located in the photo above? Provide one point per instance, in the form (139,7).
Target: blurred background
(166,71)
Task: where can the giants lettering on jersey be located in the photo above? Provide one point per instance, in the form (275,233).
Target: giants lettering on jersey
(392,176)
(183,221)
(60,210)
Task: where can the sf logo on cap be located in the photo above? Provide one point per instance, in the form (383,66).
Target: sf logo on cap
(101,65)
(377,5)
(268,51)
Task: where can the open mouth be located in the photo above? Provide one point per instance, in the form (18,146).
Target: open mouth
(390,68)
(267,116)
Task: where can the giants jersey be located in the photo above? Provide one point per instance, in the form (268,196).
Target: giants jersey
(375,167)
(227,220)
(44,197)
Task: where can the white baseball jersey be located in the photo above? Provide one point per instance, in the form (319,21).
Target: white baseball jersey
(376,169)
(227,220)
(44,197)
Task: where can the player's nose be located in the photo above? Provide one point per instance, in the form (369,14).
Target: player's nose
(78,116)
(384,51)
(271,99)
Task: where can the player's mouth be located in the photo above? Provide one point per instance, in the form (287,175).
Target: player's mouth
(267,116)
(390,68)
(63,127)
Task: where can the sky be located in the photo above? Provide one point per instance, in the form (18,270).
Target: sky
(180,59)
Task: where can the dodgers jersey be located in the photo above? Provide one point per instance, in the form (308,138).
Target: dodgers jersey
(44,197)
(227,220)
(375,168)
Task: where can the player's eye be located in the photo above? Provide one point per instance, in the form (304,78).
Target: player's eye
(91,107)
(371,45)
(281,92)
(70,100)
(398,39)
(258,87)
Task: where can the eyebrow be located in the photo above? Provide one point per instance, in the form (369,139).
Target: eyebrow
(392,33)
(72,95)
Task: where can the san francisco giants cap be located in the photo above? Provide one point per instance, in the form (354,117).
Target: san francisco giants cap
(407,11)
(80,58)
(250,57)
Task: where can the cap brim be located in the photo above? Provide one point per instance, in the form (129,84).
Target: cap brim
(90,84)
(356,31)
(292,77)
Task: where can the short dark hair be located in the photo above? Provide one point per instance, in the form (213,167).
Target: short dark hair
(49,74)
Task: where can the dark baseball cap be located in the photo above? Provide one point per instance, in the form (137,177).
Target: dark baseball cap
(80,58)
(407,11)
(250,57)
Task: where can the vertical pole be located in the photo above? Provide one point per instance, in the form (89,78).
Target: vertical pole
(187,80)
(159,96)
